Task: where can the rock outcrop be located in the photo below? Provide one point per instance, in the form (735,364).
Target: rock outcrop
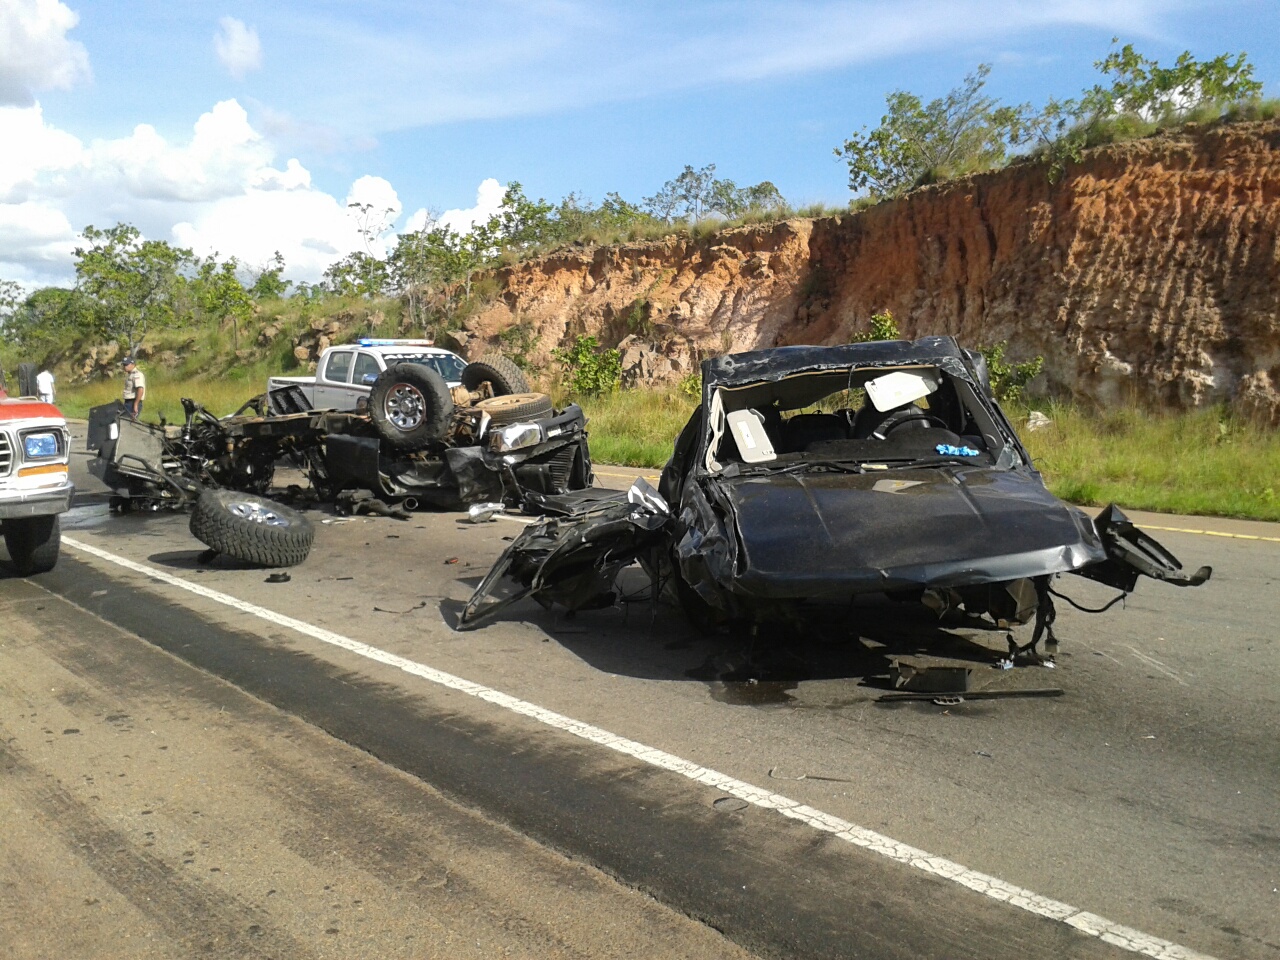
(1150,272)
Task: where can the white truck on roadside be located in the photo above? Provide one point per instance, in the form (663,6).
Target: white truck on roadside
(345,373)
(35,481)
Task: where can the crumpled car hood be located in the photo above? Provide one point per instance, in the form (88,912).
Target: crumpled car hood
(808,534)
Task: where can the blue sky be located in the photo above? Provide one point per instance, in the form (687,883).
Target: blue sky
(260,121)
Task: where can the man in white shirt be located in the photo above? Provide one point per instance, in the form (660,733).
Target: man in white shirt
(44,386)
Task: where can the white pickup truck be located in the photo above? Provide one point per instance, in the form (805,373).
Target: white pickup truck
(35,486)
(346,373)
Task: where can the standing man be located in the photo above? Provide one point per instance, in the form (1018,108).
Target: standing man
(44,386)
(135,388)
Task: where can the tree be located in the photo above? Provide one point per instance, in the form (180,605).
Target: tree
(10,297)
(221,296)
(131,282)
(614,212)
(1144,88)
(1141,92)
(358,274)
(916,142)
(691,193)
(38,323)
(695,194)
(522,224)
(443,259)
(269,284)
(731,201)
(371,221)
(665,203)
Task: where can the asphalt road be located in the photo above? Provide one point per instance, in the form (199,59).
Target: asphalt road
(1139,808)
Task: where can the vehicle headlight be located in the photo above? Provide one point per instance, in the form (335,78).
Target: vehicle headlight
(40,446)
(515,436)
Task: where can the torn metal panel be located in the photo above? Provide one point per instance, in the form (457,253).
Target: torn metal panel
(572,561)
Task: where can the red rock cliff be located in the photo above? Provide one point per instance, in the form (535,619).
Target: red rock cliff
(1151,271)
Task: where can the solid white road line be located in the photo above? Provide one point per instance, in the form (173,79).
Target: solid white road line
(993,887)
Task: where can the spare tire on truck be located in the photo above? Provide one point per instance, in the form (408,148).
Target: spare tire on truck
(503,375)
(516,407)
(33,543)
(251,528)
(410,406)
(27,385)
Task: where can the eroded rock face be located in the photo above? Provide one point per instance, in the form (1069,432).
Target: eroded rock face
(1149,272)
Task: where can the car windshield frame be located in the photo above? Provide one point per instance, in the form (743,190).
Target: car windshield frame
(805,381)
(436,361)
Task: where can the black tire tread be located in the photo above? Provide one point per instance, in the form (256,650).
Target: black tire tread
(503,375)
(219,529)
(27,386)
(33,543)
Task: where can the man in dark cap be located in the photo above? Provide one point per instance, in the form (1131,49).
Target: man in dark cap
(135,387)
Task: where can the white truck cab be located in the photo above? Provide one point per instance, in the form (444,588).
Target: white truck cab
(35,482)
(346,372)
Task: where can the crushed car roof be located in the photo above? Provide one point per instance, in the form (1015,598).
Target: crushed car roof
(782,362)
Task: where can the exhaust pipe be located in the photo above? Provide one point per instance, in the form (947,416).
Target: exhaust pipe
(409,503)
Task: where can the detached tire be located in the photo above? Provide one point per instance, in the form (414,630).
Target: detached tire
(516,407)
(410,406)
(33,543)
(27,386)
(503,375)
(251,528)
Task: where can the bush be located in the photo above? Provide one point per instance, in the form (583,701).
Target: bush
(1008,379)
(883,327)
(589,370)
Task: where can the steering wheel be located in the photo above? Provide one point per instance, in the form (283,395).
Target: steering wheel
(901,418)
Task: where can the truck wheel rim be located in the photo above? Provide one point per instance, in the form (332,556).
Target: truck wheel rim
(257,513)
(405,406)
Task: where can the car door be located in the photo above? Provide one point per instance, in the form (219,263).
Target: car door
(333,382)
(366,371)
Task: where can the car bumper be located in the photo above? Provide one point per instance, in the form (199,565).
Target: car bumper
(17,504)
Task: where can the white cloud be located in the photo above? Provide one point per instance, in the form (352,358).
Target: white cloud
(225,155)
(36,231)
(35,53)
(220,191)
(238,47)
(32,149)
(488,201)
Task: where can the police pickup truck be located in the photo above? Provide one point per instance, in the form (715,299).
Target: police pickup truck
(345,373)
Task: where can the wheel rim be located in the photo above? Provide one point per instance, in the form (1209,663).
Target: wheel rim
(405,406)
(257,513)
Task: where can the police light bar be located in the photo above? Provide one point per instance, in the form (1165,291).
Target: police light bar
(375,342)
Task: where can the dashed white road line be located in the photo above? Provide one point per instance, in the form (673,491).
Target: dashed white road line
(1087,923)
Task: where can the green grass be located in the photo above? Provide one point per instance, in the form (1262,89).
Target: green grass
(635,428)
(220,395)
(1204,462)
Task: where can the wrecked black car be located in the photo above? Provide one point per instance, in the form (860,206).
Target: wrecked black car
(816,474)
(419,443)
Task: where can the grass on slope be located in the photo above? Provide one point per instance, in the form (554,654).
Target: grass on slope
(1203,462)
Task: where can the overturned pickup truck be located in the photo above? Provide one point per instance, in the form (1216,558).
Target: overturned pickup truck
(816,474)
(421,443)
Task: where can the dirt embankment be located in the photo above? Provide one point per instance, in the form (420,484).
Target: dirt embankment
(1151,272)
